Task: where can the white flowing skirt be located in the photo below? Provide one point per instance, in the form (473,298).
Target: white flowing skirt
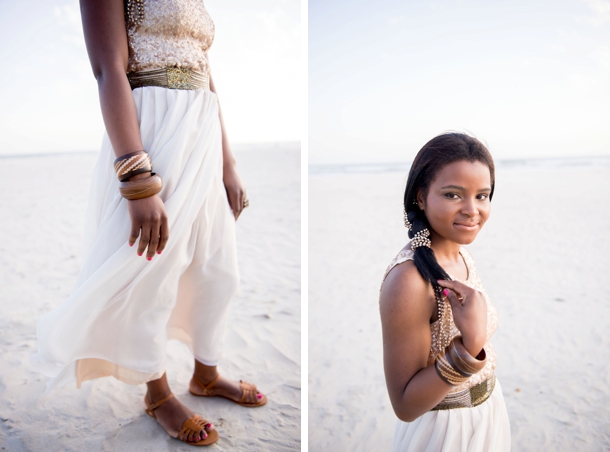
(123,308)
(484,428)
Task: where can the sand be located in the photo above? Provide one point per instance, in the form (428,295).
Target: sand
(42,211)
(543,257)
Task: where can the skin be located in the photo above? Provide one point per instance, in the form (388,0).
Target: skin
(106,40)
(457,206)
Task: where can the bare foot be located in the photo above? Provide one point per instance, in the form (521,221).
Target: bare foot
(231,389)
(172,414)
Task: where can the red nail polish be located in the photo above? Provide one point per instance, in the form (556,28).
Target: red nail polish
(149,258)
(131,244)
(445,292)
(260,396)
(139,254)
(159,252)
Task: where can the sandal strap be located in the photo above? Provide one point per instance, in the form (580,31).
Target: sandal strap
(207,387)
(192,425)
(248,394)
(153,406)
(245,384)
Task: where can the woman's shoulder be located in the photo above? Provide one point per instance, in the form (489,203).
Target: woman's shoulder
(402,281)
(404,255)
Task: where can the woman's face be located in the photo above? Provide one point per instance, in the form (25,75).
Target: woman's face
(457,203)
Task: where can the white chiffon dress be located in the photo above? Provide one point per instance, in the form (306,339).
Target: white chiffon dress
(123,308)
(481,428)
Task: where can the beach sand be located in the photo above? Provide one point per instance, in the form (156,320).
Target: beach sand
(543,257)
(42,211)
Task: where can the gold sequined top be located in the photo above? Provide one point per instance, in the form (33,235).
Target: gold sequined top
(171,33)
(444,330)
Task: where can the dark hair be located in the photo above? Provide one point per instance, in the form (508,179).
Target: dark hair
(436,154)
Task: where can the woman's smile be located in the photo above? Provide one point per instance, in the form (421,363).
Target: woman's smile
(468,227)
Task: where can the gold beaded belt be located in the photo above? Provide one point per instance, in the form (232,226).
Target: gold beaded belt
(468,398)
(170,77)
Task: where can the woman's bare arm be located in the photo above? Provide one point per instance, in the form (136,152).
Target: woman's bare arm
(106,40)
(406,306)
(236,192)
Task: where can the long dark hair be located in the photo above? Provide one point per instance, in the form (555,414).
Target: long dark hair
(436,154)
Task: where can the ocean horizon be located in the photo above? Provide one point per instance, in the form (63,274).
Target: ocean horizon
(534,162)
(237,147)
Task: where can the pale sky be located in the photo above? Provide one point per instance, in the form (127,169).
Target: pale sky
(49,100)
(530,78)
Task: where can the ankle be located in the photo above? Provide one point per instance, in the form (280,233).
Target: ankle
(157,396)
(205,374)
(158,389)
(205,379)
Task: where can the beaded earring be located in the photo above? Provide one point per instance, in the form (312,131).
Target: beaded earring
(408,224)
(421,239)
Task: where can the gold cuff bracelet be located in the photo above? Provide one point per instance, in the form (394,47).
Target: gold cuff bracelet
(143,188)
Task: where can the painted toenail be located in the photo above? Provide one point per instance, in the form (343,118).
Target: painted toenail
(260,396)
(209,425)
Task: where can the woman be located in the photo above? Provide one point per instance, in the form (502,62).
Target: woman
(160,111)
(436,318)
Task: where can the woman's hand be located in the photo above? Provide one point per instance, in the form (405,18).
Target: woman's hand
(469,310)
(149,222)
(236,193)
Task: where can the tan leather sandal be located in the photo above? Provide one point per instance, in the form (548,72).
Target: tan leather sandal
(249,394)
(192,425)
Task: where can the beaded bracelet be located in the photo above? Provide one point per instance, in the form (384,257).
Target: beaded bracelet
(142,188)
(456,365)
(131,164)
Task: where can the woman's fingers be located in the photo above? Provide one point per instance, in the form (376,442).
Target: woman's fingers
(148,221)
(236,200)
(135,232)
(240,203)
(236,204)
(456,286)
(460,289)
(144,239)
(453,298)
(156,225)
(155,232)
(163,235)
(455,291)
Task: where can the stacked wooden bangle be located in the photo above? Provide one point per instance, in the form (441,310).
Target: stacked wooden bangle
(136,163)
(131,164)
(456,365)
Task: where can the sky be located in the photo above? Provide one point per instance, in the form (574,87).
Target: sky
(49,100)
(529,78)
